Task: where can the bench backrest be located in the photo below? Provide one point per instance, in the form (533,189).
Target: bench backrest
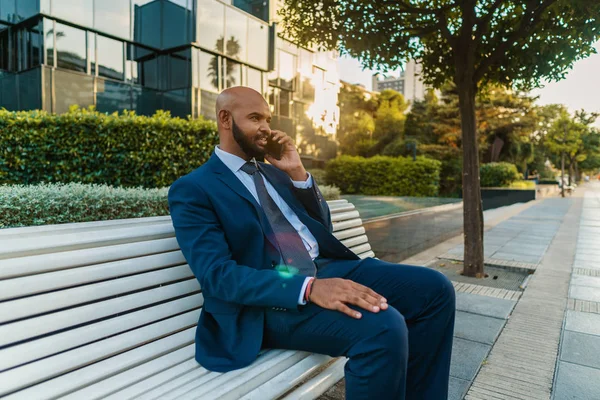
(82,302)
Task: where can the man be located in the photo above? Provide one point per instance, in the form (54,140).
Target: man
(256,235)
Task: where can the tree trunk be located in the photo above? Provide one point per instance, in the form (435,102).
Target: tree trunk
(473,210)
(577,173)
(571,174)
(562,174)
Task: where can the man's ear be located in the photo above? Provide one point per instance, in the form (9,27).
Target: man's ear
(225,119)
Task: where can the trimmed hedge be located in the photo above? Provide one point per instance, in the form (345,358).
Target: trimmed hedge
(86,146)
(500,174)
(522,184)
(385,176)
(59,203)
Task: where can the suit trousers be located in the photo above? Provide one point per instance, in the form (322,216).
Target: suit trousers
(400,353)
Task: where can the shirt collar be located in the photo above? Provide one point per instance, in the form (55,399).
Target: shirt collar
(233,162)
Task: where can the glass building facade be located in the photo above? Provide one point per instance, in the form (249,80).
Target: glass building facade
(177,55)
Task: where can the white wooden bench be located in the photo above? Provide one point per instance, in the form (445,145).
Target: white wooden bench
(109,309)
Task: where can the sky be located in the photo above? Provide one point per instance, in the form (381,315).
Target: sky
(580,89)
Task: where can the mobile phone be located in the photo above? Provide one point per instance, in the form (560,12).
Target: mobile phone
(274,149)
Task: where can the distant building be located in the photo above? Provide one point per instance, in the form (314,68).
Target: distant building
(409,83)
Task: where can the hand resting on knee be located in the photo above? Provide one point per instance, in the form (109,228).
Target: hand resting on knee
(337,294)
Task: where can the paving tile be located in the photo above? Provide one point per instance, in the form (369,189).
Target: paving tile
(586,265)
(583,322)
(484,305)
(582,280)
(517,257)
(576,382)
(467,356)
(457,388)
(580,348)
(477,327)
(585,293)
(592,258)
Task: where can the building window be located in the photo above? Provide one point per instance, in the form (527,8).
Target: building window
(236,32)
(112,96)
(287,70)
(77,11)
(71,48)
(254,79)
(8,11)
(49,35)
(208,71)
(179,70)
(91,46)
(147,22)
(30,46)
(258,44)
(113,16)
(72,89)
(110,58)
(258,8)
(210,28)
(233,73)
(285,103)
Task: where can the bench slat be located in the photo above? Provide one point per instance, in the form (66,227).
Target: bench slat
(62,363)
(319,384)
(31,265)
(156,380)
(36,349)
(335,203)
(18,287)
(112,385)
(366,254)
(361,248)
(344,216)
(35,305)
(249,380)
(186,385)
(13,248)
(355,241)
(78,379)
(292,376)
(348,233)
(40,325)
(353,223)
(40,230)
(342,208)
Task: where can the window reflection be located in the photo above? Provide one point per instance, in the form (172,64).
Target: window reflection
(210,26)
(179,70)
(110,58)
(26,9)
(176,24)
(208,71)
(285,103)
(112,16)
(78,11)
(236,34)
(71,48)
(91,45)
(49,38)
(233,74)
(8,11)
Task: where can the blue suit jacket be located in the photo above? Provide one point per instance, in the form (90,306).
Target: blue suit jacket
(224,235)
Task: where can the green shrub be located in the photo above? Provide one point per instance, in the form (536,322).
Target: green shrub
(46,204)
(330,192)
(57,203)
(385,176)
(500,174)
(522,185)
(451,171)
(125,150)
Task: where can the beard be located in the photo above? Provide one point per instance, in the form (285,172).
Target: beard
(246,144)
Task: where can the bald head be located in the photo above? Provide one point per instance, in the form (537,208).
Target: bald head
(243,119)
(231,99)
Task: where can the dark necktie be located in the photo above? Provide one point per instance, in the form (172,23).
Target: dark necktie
(293,253)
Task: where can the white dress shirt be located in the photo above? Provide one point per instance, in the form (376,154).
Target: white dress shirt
(235,163)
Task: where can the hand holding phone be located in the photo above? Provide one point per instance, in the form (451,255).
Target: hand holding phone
(274,148)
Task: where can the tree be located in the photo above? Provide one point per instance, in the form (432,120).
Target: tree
(357,123)
(470,42)
(389,120)
(565,139)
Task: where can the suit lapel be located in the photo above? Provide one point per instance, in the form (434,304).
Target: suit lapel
(225,175)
